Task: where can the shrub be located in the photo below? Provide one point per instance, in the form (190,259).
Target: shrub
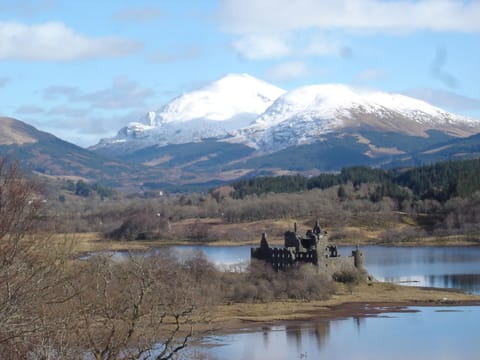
(139,227)
(350,276)
(261,284)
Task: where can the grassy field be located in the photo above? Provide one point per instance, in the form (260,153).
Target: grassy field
(251,234)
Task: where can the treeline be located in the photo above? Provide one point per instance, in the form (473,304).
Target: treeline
(85,189)
(440,182)
(440,199)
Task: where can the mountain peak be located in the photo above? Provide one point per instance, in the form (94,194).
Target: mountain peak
(235,79)
(305,114)
(224,99)
(227,104)
(239,108)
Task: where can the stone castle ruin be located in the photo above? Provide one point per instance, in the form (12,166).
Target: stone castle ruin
(314,248)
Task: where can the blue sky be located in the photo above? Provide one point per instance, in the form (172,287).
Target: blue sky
(83,69)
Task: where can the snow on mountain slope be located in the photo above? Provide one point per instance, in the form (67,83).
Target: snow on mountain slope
(222,100)
(304,114)
(228,104)
(239,108)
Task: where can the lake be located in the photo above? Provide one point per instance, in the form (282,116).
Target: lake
(418,333)
(442,267)
(421,333)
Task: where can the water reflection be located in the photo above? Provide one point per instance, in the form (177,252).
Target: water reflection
(443,267)
(426,333)
(294,335)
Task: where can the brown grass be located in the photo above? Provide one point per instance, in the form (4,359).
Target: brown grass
(360,300)
(364,299)
(10,135)
(348,235)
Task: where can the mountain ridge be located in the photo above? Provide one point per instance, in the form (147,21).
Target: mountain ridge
(303,115)
(280,119)
(215,110)
(44,154)
(307,130)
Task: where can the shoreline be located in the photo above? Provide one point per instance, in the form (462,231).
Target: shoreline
(364,300)
(85,243)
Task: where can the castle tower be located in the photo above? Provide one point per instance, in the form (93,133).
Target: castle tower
(357,258)
(322,244)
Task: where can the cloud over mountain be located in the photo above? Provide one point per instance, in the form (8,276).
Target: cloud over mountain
(55,41)
(279,28)
(252,16)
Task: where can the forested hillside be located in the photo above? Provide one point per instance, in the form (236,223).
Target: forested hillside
(440,181)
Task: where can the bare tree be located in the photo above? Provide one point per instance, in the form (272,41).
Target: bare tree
(137,308)
(54,307)
(29,263)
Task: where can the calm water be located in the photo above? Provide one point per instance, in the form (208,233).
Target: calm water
(443,267)
(437,333)
(425,333)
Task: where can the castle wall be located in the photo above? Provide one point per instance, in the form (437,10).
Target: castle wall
(338,264)
(313,249)
(283,258)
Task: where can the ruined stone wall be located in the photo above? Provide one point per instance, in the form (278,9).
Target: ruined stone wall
(282,258)
(338,264)
(317,251)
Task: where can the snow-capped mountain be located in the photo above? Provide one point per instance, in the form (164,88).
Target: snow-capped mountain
(239,108)
(238,126)
(303,115)
(230,103)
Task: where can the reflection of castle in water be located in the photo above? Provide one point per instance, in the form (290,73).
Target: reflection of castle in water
(314,248)
(319,332)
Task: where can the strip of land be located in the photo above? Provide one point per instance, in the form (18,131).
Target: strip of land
(93,242)
(362,300)
(365,299)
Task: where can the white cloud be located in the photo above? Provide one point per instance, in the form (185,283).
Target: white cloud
(321,47)
(371,75)
(138,14)
(55,41)
(301,43)
(445,99)
(287,71)
(255,47)
(29,110)
(177,54)
(86,131)
(253,16)
(309,27)
(69,124)
(122,94)
(27,7)
(69,111)
(55,92)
